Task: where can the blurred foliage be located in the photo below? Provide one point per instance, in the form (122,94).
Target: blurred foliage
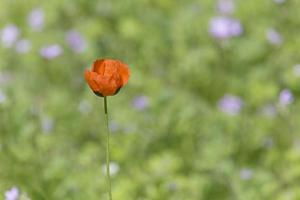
(180,147)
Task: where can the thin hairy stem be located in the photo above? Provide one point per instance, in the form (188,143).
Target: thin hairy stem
(107,149)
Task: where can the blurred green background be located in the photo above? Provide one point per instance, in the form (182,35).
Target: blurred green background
(210,111)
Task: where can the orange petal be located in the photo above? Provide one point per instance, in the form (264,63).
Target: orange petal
(90,79)
(107,86)
(124,73)
(107,76)
(99,66)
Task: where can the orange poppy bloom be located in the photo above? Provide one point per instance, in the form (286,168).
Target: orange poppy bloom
(107,77)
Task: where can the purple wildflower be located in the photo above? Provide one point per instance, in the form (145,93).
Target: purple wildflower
(76,41)
(279,1)
(36,19)
(225,6)
(246,174)
(225,27)
(268,142)
(230,104)
(286,97)
(12,194)
(141,102)
(47,124)
(113,126)
(51,51)
(5,78)
(84,107)
(9,35)
(269,110)
(23,46)
(172,186)
(274,37)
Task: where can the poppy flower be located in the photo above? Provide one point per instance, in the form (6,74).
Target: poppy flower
(107,77)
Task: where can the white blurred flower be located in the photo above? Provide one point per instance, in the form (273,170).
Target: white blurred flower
(172,186)
(297,70)
(113,167)
(2,97)
(296,145)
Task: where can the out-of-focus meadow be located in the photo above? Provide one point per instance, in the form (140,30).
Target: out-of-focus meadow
(211,110)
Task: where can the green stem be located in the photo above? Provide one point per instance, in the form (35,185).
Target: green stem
(107,150)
